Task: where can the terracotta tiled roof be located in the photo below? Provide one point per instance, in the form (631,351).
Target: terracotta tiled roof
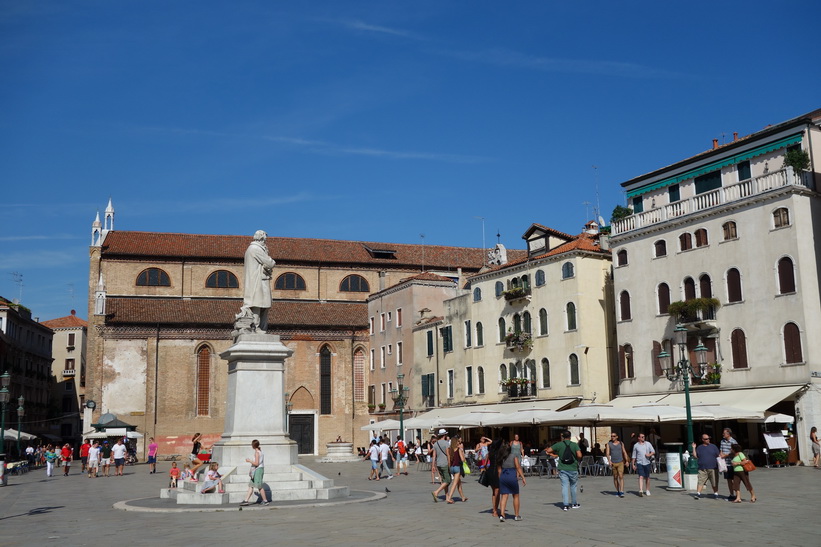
(69,321)
(582,242)
(427,276)
(551,231)
(292,250)
(221,312)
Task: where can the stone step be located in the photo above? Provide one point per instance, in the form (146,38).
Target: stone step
(268,477)
(193,498)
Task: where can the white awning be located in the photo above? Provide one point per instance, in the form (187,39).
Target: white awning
(115,431)
(384,425)
(756,399)
(439,417)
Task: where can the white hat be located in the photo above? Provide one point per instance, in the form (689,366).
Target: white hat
(443,431)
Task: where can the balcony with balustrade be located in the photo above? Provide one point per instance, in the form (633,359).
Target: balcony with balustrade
(714,198)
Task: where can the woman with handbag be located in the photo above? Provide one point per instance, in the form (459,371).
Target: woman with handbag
(257,472)
(456,459)
(510,471)
(741,470)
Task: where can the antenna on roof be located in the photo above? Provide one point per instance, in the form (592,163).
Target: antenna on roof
(422,237)
(598,207)
(498,236)
(484,260)
(18,278)
(586,210)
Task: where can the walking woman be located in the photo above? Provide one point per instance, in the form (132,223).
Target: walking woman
(816,446)
(456,456)
(194,457)
(256,474)
(740,474)
(510,471)
(492,473)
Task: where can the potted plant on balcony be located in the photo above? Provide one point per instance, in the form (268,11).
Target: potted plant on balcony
(515,293)
(713,376)
(371,408)
(515,387)
(381,407)
(798,159)
(518,340)
(691,310)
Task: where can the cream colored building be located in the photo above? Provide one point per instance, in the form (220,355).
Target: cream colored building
(736,224)
(544,320)
(68,349)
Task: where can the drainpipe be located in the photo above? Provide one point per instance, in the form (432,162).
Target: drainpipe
(438,376)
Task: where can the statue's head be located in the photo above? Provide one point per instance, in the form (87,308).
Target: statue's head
(260,235)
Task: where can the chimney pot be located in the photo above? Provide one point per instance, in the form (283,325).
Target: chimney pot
(735,136)
(715,144)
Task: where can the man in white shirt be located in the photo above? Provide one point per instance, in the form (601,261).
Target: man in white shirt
(94,459)
(385,455)
(373,455)
(119,451)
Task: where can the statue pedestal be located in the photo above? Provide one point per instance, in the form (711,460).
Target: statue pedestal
(255,409)
(256,405)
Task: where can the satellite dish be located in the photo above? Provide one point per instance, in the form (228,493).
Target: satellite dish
(601,221)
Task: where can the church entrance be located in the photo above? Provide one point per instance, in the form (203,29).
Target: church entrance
(301,429)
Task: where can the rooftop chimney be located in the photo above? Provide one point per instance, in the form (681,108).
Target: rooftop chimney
(715,144)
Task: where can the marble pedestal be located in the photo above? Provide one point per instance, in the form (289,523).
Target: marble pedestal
(256,410)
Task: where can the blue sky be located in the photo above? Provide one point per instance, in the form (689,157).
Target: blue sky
(374,121)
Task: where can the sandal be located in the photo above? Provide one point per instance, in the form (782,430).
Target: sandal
(465,499)
(449,501)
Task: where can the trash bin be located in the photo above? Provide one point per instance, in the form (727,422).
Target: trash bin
(675,466)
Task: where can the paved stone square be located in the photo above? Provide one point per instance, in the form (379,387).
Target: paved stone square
(76,510)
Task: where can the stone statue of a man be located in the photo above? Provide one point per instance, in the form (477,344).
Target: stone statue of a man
(258,268)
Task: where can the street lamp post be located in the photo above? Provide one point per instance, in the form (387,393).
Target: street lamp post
(5,380)
(682,371)
(400,398)
(21,411)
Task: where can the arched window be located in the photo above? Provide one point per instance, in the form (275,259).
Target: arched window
(573,361)
(738,342)
(203,381)
(567,270)
(325,380)
(685,242)
(502,373)
(571,316)
(663,298)
(502,329)
(359,375)
(689,288)
(222,279)
(781,217)
(545,373)
(500,288)
(624,305)
(526,323)
(626,362)
(621,258)
(290,281)
(354,283)
(480,376)
(786,276)
(701,237)
(153,277)
(477,294)
(792,344)
(525,282)
(530,370)
(540,279)
(660,248)
(705,286)
(480,334)
(734,285)
(517,323)
(657,370)
(543,329)
(730,230)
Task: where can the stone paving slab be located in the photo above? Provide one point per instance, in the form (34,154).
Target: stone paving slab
(76,510)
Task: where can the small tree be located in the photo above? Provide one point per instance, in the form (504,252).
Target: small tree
(619,213)
(798,159)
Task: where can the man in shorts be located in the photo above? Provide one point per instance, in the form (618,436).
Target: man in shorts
(105,457)
(707,455)
(440,461)
(402,455)
(616,454)
(93,459)
(118,451)
(84,454)
(725,449)
(643,453)
(373,456)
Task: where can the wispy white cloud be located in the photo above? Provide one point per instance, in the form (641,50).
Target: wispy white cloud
(332,149)
(356,24)
(38,237)
(513,59)
(45,258)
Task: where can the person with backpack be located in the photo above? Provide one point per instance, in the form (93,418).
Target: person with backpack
(569,455)
(402,455)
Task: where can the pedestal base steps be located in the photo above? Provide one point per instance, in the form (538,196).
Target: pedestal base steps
(281,483)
